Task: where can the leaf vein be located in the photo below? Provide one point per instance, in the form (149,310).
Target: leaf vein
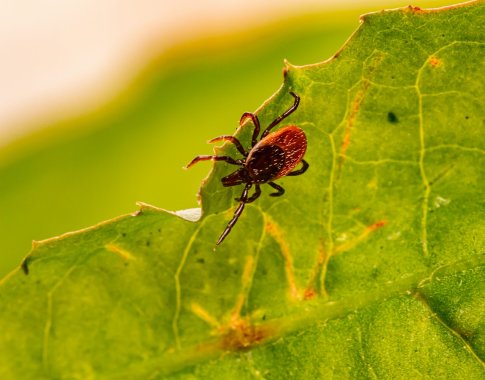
(48,323)
(178,290)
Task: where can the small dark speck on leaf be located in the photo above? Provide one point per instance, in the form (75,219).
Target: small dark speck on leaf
(148,243)
(392,118)
(467,117)
(159,230)
(264,317)
(25,265)
(235,271)
(123,234)
(375,273)
(201,261)
(285,72)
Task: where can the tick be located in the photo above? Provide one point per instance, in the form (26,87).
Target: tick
(274,156)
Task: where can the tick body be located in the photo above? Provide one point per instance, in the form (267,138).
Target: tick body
(274,156)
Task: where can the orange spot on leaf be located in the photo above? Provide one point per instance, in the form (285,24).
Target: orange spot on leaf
(376,225)
(243,335)
(309,294)
(434,61)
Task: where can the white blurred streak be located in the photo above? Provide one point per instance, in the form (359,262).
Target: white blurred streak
(61,57)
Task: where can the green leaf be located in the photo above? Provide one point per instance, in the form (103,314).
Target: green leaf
(71,168)
(370,266)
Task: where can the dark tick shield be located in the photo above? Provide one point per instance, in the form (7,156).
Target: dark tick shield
(272,157)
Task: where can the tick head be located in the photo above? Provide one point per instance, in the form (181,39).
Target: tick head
(236,178)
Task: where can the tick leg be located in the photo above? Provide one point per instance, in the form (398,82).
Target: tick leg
(280,191)
(257,127)
(229,160)
(253,197)
(300,171)
(237,213)
(232,139)
(287,113)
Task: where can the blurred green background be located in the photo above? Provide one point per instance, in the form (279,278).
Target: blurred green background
(85,170)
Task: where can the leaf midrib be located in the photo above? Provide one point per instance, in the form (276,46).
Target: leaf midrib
(310,313)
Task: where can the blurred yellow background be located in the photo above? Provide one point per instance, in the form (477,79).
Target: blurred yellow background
(103,102)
